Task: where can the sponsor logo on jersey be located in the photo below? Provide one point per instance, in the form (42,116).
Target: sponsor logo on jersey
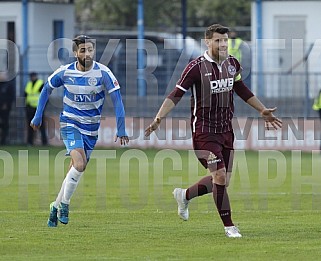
(85,97)
(222,85)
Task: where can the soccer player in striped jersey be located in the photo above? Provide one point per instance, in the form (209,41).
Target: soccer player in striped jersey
(85,82)
(212,79)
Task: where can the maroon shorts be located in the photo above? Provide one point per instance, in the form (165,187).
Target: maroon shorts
(214,150)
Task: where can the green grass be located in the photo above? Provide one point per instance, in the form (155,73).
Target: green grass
(123,208)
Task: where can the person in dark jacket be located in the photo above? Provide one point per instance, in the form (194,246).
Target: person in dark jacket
(7,95)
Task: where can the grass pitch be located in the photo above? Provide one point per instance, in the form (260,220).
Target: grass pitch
(123,208)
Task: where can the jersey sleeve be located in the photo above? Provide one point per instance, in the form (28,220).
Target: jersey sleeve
(189,76)
(109,80)
(239,69)
(185,82)
(56,80)
(239,87)
(242,90)
(119,112)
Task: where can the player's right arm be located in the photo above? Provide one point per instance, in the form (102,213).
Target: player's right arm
(166,108)
(54,81)
(187,79)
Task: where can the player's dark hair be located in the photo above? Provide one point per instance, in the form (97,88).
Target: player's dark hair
(215,28)
(81,39)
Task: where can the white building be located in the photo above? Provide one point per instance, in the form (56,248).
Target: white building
(290,34)
(33,25)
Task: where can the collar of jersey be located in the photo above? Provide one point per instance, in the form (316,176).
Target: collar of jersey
(93,66)
(207,57)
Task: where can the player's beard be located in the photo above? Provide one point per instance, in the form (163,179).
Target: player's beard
(219,56)
(86,62)
(222,55)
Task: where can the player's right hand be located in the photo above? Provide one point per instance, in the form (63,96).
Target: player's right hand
(152,127)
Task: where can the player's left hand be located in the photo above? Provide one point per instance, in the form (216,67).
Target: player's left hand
(124,140)
(270,119)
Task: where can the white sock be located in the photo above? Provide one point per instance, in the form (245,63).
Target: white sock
(71,181)
(60,194)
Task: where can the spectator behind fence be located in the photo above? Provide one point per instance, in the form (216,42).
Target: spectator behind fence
(241,51)
(7,95)
(234,46)
(32,94)
(317,106)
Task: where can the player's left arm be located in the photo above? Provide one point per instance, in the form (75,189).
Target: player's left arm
(113,89)
(267,113)
(120,117)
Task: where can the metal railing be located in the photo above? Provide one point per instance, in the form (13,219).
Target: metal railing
(292,93)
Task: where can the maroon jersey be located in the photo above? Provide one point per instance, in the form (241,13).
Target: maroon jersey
(212,86)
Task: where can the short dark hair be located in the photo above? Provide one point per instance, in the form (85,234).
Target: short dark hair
(81,39)
(33,74)
(215,28)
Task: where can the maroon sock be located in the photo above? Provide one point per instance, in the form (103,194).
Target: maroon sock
(204,186)
(222,203)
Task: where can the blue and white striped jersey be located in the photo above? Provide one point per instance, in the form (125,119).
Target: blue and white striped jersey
(84,95)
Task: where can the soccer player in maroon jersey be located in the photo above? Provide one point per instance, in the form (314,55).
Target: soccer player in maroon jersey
(212,78)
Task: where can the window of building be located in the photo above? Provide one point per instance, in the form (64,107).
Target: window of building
(58,32)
